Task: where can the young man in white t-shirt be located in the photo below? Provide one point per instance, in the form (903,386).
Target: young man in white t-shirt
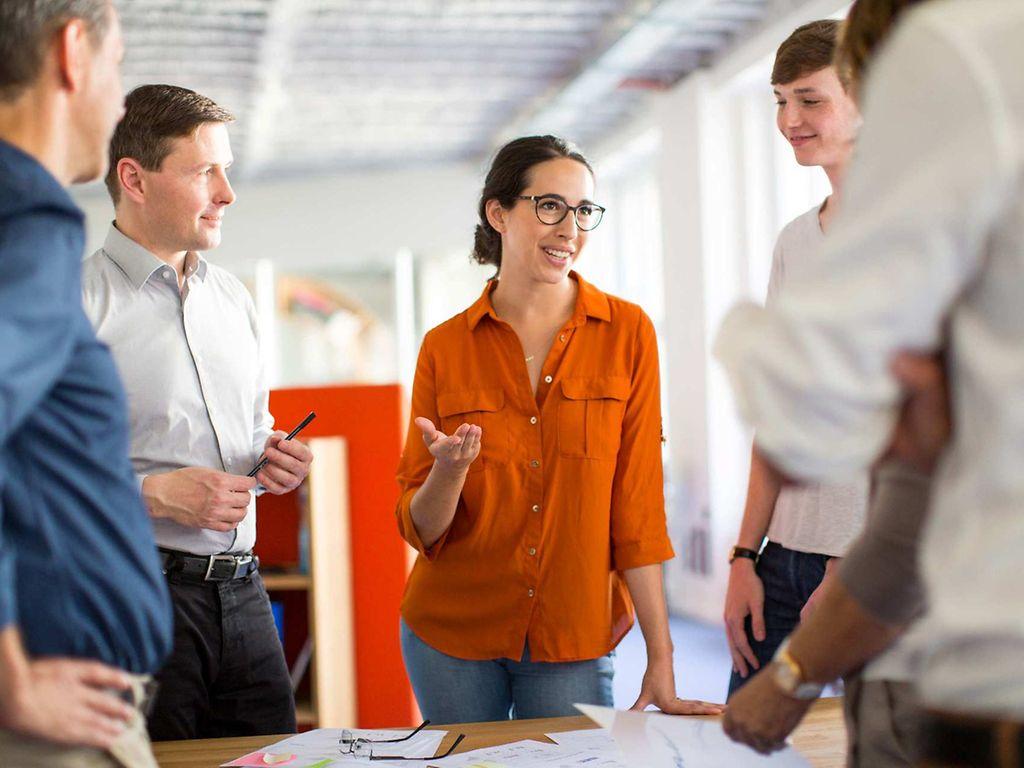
(809,527)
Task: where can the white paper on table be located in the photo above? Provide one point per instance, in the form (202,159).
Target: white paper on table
(590,738)
(323,744)
(519,753)
(656,740)
(534,754)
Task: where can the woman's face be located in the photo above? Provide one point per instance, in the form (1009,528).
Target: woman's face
(818,118)
(530,248)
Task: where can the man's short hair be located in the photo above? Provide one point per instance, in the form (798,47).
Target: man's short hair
(809,49)
(28,26)
(154,116)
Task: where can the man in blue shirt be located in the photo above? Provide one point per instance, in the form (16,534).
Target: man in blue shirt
(84,611)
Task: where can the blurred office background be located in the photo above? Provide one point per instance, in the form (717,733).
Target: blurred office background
(364,129)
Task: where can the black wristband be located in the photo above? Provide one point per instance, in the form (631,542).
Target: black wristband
(749,554)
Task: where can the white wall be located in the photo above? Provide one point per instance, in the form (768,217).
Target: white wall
(728,183)
(341,221)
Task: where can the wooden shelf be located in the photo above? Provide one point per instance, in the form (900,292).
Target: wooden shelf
(304,714)
(287,581)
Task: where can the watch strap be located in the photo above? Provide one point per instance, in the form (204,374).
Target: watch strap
(744,552)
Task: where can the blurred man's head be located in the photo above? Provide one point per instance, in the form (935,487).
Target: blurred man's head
(867,27)
(168,168)
(62,58)
(815,112)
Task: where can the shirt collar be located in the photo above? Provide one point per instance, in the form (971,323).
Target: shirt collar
(139,264)
(590,302)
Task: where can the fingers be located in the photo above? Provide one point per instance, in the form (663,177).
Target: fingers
(692,707)
(94,673)
(238,483)
(741,645)
(106,705)
(757,622)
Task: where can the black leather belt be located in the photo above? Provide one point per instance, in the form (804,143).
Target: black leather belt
(978,742)
(212,568)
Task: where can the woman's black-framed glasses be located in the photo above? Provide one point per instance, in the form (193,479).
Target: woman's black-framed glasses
(551,210)
(367,748)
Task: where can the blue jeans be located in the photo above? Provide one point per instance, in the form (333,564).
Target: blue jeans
(789,578)
(451,690)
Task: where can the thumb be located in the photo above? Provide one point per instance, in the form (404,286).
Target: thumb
(641,703)
(426,426)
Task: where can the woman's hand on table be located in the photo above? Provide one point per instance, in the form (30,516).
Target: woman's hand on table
(453,453)
(659,689)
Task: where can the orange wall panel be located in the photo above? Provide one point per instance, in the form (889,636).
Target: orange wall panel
(370,418)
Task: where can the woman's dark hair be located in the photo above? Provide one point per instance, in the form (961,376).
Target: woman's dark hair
(508,177)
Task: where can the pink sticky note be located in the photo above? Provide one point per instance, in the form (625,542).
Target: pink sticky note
(261,759)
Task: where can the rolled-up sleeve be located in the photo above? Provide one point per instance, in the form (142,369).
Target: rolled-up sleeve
(811,372)
(416,460)
(639,534)
(37,305)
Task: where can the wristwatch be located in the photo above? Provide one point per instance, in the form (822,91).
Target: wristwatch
(749,554)
(789,676)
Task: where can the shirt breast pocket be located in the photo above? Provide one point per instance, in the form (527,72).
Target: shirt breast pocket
(590,416)
(484,408)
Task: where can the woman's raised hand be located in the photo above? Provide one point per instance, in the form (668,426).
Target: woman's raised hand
(452,452)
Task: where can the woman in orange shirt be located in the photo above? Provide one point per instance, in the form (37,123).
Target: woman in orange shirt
(531,477)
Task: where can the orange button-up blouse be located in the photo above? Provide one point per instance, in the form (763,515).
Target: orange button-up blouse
(567,489)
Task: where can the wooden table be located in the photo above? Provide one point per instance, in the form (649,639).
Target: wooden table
(821,738)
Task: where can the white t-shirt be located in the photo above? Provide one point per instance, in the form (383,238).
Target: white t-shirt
(823,518)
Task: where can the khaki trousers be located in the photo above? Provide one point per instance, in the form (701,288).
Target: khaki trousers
(132,750)
(882,723)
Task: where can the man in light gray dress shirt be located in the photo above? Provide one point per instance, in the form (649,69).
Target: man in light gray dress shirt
(184,335)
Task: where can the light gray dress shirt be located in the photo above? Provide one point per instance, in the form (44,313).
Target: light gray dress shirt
(929,245)
(190,362)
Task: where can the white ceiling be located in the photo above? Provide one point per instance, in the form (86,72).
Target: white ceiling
(327,85)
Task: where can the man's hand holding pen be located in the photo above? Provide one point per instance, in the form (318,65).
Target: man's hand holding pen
(287,464)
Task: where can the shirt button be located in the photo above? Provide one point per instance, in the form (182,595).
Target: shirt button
(536,507)
(534,463)
(562,337)
(547,379)
(533,551)
(533,419)
(530,593)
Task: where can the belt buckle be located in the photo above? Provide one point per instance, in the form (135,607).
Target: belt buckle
(242,566)
(214,559)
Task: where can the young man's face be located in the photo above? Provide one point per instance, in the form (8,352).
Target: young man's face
(186,198)
(818,118)
(99,105)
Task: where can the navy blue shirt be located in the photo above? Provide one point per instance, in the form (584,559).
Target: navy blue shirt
(79,572)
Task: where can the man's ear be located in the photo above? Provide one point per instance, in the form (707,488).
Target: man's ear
(130,179)
(496,214)
(74,50)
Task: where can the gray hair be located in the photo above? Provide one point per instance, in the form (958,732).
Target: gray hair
(26,27)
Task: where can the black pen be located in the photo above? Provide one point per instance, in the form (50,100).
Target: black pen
(302,425)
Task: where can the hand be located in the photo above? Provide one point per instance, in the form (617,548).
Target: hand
(659,689)
(745,597)
(199,498)
(925,423)
(67,701)
(287,465)
(819,593)
(454,454)
(761,716)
